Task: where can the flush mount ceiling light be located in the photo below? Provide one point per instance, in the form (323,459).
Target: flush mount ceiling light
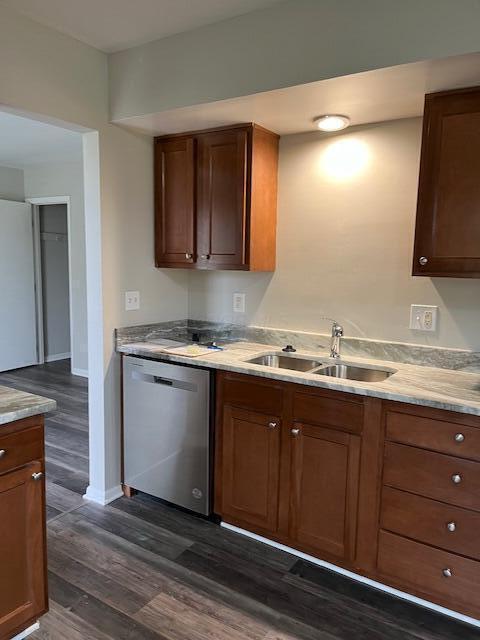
(331,122)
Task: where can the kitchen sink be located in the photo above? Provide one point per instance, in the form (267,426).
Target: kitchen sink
(350,372)
(285,362)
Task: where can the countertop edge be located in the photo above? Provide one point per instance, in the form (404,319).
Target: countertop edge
(368,391)
(27,412)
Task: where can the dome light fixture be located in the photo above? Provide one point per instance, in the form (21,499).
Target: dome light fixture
(331,122)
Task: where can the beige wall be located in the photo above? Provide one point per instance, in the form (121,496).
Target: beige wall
(287,44)
(11,184)
(346,216)
(60,79)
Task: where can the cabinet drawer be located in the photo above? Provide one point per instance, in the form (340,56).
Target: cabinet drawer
(328,411)
(425,570)
(20,448)
(252,393)
(435,523)
(438,435)
(433,475)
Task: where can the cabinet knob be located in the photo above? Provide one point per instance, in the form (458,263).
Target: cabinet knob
(189,256)
(456,478)
(423,261)
(272,425)
(205,256)
(295,432)
(451,526)
(459,437)
(3,453)
(447,573)
(37,476)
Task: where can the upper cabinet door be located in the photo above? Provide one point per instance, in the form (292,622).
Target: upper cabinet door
(222,202)
(175,202)
(447,240)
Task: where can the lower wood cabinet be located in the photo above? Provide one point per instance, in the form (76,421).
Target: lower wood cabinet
(283,477)
(23,586)
(251,470)
(324,489)
(368,485)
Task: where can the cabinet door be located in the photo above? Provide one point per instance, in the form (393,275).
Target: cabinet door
(324,490)
(447,239)
(222,182)
(23,593)
(250,467)
(175,202)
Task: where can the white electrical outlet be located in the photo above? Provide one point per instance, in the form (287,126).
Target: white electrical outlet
(423,317)
(239,303)
(132,300)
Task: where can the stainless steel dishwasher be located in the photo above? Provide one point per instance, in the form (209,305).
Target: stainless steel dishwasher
(166,417)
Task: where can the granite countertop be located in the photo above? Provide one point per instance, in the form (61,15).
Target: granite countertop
(15,405)
(422,385)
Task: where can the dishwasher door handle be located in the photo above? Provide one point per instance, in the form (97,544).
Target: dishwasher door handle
(166,382)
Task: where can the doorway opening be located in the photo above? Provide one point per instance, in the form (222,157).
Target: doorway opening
(53,278)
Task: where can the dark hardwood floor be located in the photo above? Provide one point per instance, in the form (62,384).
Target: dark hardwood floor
(140,570)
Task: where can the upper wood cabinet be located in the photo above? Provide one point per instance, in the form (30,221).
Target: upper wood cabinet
(175,201)
(216,199)
(447,239)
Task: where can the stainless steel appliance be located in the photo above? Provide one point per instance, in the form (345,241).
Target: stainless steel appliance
(167,431)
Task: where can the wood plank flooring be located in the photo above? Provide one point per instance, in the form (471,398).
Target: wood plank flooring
(140,570)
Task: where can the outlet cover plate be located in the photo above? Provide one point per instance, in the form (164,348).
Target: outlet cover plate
(132,300)
(239,303)
(423,317)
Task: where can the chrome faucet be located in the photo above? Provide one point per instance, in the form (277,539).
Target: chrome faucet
(337,333)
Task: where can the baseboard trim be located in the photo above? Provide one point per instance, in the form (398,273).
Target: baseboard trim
(80,372)
(354,576)
(57,356)
(103,497)
(27,632)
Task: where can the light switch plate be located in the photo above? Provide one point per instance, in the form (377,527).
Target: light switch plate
(239,303)
(132,300)
(423,317)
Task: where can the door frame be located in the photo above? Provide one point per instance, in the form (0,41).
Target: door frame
(36,203)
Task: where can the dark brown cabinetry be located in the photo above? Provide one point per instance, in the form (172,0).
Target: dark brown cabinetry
(430,509)
(251,450)
(324,490)
(216,199)
(388,490)
(283,476)
(447,238)
(23,587)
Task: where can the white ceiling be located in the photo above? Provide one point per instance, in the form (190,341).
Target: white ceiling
(25,142)
(113,25)
(373,96)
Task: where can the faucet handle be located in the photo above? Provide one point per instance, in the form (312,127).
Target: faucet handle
(337,330)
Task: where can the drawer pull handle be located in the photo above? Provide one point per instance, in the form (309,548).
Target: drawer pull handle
(295,432)
(272,425)
(37,476)
(447,573)
(3,453)
(456,478)
(451,526)
(459,437)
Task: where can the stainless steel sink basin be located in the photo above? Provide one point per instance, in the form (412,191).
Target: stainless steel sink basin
(285,362)
(351,372)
